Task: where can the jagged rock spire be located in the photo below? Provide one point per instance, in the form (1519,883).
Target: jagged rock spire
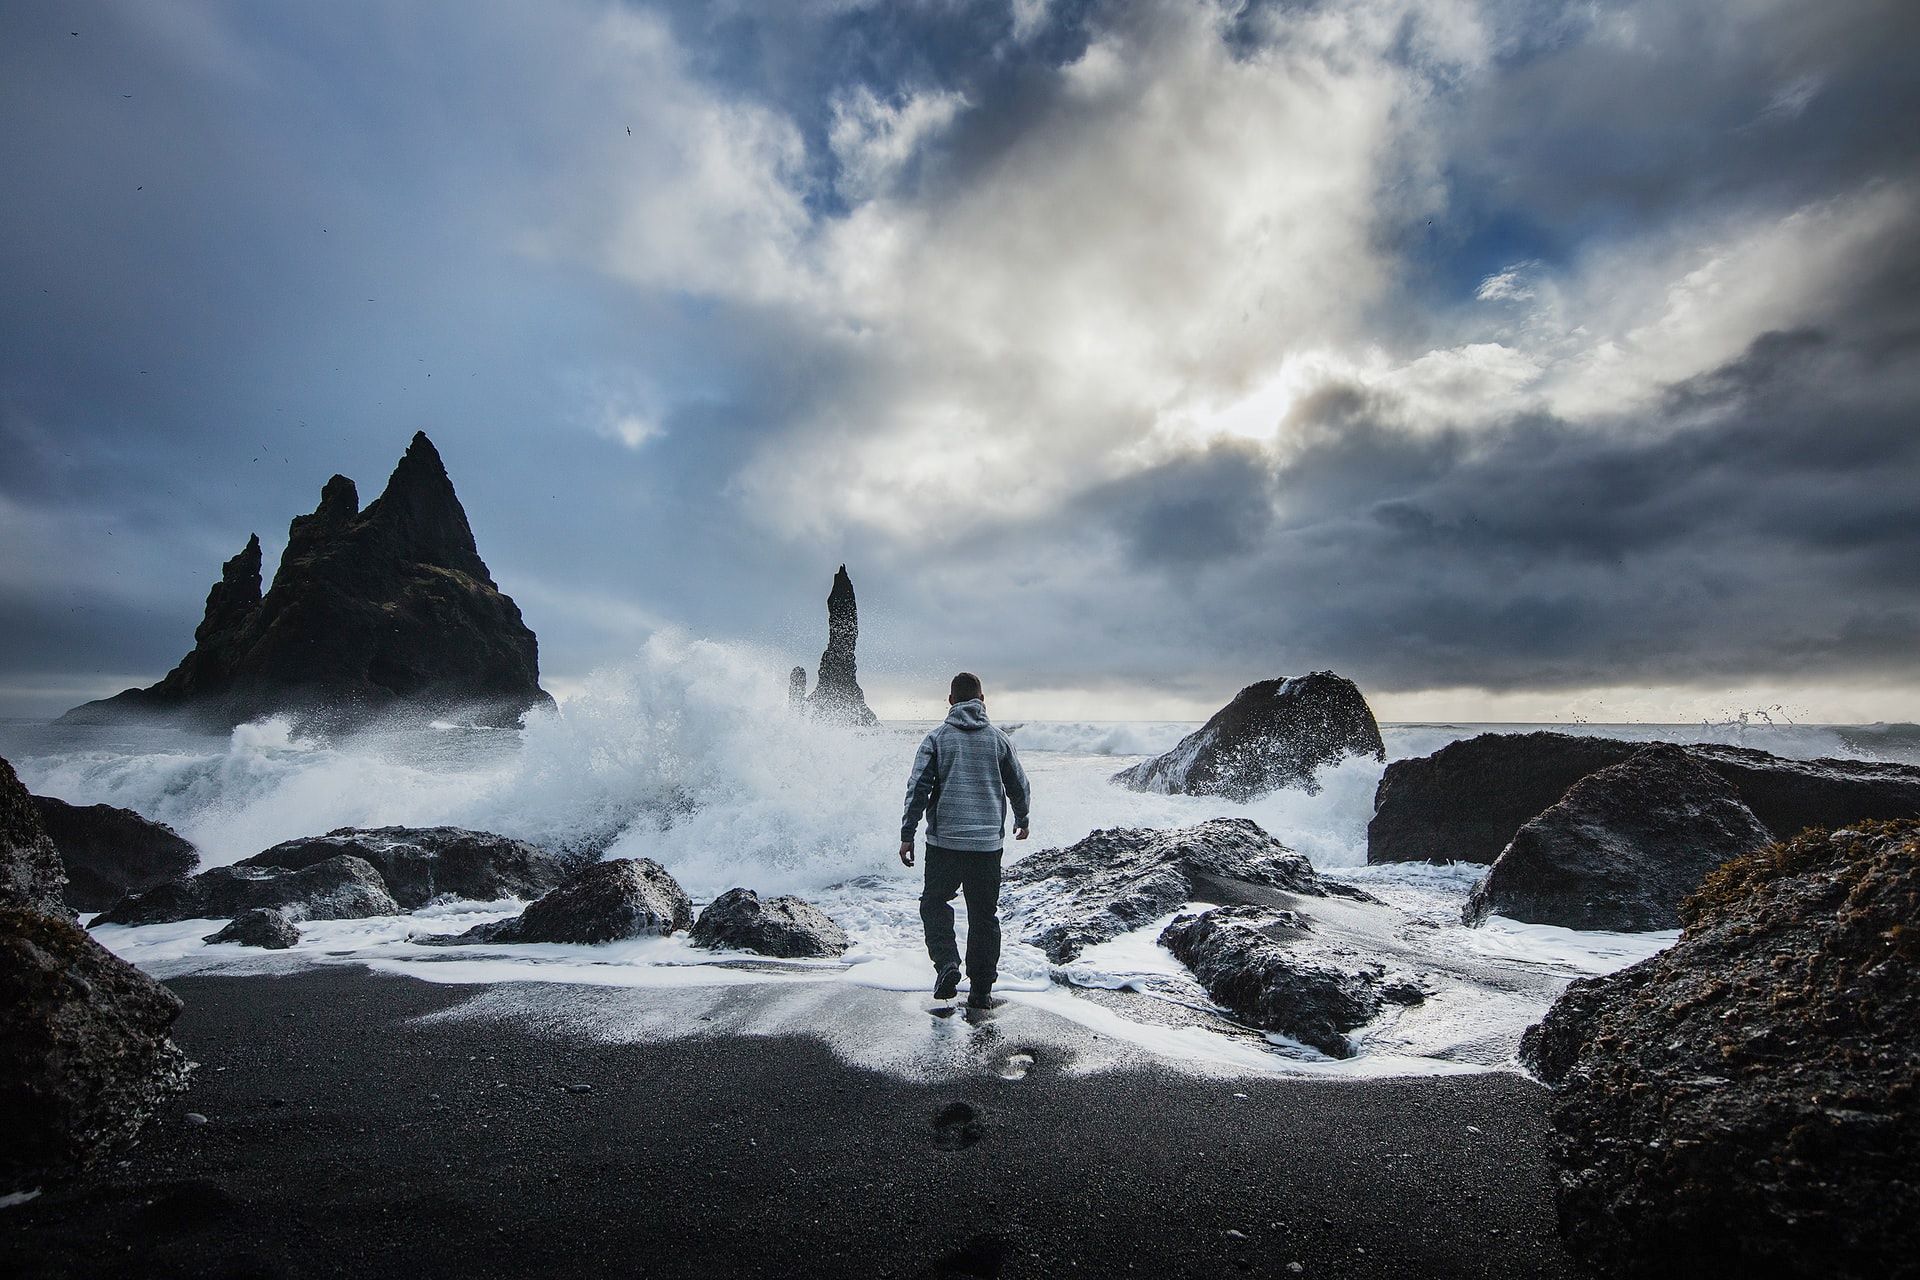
(422,515)
(234,598)
(837,694)
(386,609)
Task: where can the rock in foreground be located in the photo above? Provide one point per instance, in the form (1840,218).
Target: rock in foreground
(84,1053)
(109,853)
(262,927)
(1622,848)
(1745,1102)
(1274,734)
(1242,955)
(1464,802)
(340,888)
(373,611)
(1116,881)
(602,902)
(788,927)
(419,864)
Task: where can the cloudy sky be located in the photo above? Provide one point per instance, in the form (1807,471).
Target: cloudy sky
(1518,360)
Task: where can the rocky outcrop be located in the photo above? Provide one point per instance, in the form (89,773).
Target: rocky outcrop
(836,694)
(602,902)
(1744,1102)
(1621,848)
(1115,881)
(109,853)
(797,689)
(1464,802)
(31,876)
(419,864)
(84,1053)
(787,927)
(1245,959)
(371,612)
(261,927)
(1274,734)
(339,888)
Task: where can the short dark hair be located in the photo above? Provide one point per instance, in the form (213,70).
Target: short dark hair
(965,687)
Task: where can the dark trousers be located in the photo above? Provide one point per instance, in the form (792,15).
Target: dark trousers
(978,876)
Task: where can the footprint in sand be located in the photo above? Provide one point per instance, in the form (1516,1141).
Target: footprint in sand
(957,1125)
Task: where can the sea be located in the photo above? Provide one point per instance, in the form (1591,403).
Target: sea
(688,755)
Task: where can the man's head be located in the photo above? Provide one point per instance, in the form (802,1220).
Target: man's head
(965,687)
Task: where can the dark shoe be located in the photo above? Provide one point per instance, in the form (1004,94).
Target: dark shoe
(980,998)
(947,985)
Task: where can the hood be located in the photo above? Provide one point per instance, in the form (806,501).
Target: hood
(971,714)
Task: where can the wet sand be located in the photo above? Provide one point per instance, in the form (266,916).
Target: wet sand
(345,1137)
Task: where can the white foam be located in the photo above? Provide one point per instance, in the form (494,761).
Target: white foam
(688,755)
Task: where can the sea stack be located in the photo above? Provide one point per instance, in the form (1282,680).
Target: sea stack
(836,695)
(372,612)
(797,689)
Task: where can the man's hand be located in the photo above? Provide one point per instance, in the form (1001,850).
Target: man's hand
(906,853)
(1019,833)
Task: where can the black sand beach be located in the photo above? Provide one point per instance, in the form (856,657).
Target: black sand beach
(344,1138)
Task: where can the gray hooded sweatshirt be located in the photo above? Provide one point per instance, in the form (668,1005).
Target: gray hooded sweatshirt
(965,774)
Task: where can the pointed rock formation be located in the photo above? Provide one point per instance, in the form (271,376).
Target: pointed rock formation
(1274,734)
(836,695)
(797,689)
(390,608)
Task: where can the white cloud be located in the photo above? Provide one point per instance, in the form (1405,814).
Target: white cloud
(1636,316)
(1793,98)
(874,140)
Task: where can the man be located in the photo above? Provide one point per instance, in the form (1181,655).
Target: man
(965,774)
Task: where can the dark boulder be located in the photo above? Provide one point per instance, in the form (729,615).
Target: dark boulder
(1745,1101)
(109,853)
(420,864)
(261,927)
(31,876)
(788,927)
(375,611)
(1790,796)
(340,888)
(836,694)
(1464,802)
(84,1054)
(1115,881)
(1621,848)
(1245,959)
(1274,734)
(601,902)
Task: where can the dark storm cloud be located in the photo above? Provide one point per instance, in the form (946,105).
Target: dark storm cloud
(1761,520)
(1195,510)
